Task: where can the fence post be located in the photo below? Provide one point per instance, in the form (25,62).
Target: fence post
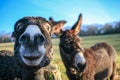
(50,72)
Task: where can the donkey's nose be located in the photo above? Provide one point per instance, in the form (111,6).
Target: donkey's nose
(79,59)
(27,39)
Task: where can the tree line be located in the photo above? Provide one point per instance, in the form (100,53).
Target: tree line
(5,39)
(109,28)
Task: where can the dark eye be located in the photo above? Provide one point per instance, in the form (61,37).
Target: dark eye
(48,27)
(19,26)
(67,42)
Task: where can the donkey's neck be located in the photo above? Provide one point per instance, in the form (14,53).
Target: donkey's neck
(33,75)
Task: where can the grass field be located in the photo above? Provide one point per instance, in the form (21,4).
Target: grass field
(88,41)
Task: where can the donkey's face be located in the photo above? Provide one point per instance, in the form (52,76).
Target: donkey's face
(33,40)
(69,42)
(70,48)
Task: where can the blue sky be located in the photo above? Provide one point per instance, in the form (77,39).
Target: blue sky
(94,11)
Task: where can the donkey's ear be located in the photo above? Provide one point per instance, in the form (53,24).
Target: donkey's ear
(57,26)
(13,36)
(76,27)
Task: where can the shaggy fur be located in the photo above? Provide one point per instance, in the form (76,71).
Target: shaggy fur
(100,59)
(5,60)
(19,28)
(11,66)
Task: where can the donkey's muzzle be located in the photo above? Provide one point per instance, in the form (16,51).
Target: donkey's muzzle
(27,40)
(79,60)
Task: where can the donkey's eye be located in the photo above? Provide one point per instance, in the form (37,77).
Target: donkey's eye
(48,27)
(19,26)
(67,42)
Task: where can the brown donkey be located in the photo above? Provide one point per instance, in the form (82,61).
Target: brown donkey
(95,63)
(32,49)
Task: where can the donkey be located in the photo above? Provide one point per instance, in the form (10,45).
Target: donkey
(32,49)
(95,63)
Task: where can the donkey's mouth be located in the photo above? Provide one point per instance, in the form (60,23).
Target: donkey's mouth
(32,60)
(31,57)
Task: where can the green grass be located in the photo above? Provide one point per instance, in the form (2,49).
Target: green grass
(87,41)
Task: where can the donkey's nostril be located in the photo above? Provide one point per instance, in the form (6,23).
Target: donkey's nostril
(24,38)
(39,39)
(80,66)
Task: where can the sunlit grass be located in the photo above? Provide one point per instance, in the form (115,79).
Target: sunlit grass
(87,41)
(6,46)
